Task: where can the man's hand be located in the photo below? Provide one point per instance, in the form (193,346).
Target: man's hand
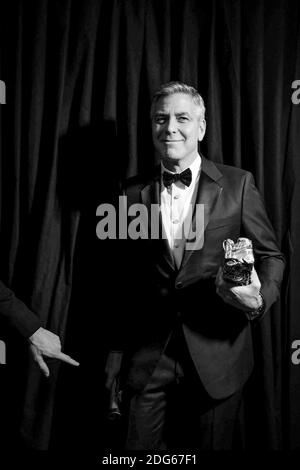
(45,343)
(243,297)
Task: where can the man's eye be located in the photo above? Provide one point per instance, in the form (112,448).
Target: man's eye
(159,120)
(182,119)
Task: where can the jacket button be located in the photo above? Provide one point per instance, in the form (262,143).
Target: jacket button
(179,285)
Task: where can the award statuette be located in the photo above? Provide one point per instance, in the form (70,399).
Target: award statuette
(238,261)
(114,402)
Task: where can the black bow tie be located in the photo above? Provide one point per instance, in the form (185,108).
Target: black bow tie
(185,177)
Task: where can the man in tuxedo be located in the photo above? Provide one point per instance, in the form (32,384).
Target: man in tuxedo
(43,343)
(182,348)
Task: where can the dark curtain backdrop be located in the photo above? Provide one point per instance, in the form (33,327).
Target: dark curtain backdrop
(79,78)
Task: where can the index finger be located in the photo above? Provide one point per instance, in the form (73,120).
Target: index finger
(65,358)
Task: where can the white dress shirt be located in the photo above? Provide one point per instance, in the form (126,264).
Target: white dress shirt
(175,204)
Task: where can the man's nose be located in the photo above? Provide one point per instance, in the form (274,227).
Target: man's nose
(171,126)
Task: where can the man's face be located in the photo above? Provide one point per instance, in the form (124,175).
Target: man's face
(177,128)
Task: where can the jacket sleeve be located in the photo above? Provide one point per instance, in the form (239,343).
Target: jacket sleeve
(269,261)
(16,313)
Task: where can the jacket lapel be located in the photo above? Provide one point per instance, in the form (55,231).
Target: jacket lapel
(150,195)
(209,191)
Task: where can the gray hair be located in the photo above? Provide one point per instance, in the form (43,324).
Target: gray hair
(171,88)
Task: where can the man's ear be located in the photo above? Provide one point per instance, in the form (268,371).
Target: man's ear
(202,129)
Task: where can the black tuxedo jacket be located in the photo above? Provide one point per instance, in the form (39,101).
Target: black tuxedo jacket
(156,295)
(16,313)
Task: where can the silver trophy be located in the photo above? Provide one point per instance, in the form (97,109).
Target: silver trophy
(114,402)
(238,261)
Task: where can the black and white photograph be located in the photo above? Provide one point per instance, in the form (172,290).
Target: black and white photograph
(149,231)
